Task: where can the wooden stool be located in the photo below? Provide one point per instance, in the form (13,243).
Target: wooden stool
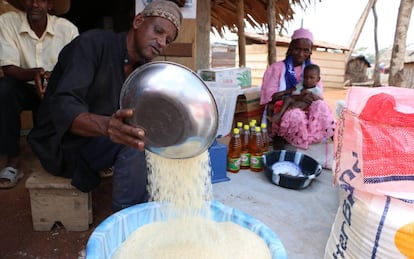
(53,199)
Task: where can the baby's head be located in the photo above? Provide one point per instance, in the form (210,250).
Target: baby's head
(311,76)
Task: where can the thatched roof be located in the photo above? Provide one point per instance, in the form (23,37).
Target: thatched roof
(254,38)
(224,14)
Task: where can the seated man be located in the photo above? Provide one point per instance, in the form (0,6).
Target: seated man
(31,40)
(81,130)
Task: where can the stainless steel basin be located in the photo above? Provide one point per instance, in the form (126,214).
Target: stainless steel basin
(174,107)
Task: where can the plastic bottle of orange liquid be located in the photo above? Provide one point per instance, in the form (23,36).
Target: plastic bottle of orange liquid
(234,151)
(245,155)
(239,125)
(256,151)
(252,125)
(266,138)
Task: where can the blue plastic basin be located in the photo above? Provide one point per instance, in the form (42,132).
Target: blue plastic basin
(108,235)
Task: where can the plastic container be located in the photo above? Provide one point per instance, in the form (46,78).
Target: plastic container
(218,161)
(226,99)
(234,152)
(245,155)
(308,166)
(266,138)
(256,151)
(108,235)
(239,125)
(252,125)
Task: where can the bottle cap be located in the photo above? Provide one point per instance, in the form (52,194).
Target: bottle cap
(236,131)
(246,127)
(257,129)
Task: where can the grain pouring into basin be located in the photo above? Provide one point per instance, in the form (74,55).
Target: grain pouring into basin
(188,231)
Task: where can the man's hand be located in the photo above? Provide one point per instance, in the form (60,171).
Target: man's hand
(93,125)
(120,132)
(41,77)
(37,74)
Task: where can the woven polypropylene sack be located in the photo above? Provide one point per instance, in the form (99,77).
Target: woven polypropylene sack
(371,226)
(375,133)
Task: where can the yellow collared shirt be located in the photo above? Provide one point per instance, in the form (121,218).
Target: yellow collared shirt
(20,46)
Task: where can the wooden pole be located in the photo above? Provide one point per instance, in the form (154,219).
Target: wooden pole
(376,75)
(202,48)
(271,42)
(396,75)
(240,33)
(358,28)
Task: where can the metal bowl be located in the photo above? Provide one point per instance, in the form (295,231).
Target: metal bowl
(279,168)
(174,107)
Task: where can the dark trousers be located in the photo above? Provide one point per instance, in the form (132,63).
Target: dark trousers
(15,96)
(130,170)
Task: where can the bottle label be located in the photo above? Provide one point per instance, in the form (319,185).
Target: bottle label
(256,162)
(233,164)
(245,160)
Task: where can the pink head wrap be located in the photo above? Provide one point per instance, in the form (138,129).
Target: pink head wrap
(302,34)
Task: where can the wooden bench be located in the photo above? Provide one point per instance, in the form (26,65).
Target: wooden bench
(53,199)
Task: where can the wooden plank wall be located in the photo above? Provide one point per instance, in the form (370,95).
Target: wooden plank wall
(332,64)
(182,50)
(332,67)
(223,55)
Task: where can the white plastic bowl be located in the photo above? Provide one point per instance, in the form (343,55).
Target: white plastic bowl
(108,236)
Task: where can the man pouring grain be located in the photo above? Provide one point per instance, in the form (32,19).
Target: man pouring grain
(80,130)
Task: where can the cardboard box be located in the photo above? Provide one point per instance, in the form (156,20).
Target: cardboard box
(248,106)
(249,100)
(246,117)
(227,76)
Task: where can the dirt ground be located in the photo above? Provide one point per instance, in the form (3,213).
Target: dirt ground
(19,240)
(333,95)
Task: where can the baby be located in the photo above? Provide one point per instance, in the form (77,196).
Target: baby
(311,76)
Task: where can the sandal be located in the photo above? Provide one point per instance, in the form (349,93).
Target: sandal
(12,175)
(106,173)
